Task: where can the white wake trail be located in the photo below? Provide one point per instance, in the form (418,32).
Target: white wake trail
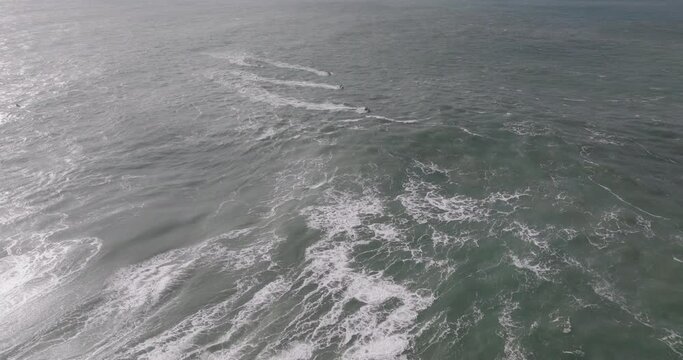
(284,65)
(257,94)
(255,78)
(242,59)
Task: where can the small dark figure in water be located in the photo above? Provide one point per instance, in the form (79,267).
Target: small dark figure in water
(18,105)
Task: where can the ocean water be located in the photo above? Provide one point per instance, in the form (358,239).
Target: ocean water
(317,179)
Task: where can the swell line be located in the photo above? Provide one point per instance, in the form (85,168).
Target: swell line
(626,202)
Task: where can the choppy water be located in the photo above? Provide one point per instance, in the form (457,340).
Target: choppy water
(341,179)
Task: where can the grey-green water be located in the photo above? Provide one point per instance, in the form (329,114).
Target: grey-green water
(202,180)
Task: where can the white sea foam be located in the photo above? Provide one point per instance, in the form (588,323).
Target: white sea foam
(527,234)
(377,332)
(380,335)
(4,117)
(296,351)
(606,290)
(612,227)
(36,270)
(467,131)
(267,134)
(436,329)
(12,212)
(385,347)
(177,342)
(298,178)
(246,317)
(602,137)
(430,168)
(576,352)
(394,240)
(180,341)
(439,329)
(128,298)
(526,128)
(534,266)
(344,215)
(564,323)
(567,233)
(512,349)
(463,324)
(674,341)
(386,232)
(440,238)
(423,202)
(134,294)
(506,197)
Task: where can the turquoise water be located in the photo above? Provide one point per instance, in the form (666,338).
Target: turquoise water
(341,180)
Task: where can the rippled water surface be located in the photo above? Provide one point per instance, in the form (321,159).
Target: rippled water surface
(299,179)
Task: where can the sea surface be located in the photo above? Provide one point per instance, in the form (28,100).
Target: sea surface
(318,179)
